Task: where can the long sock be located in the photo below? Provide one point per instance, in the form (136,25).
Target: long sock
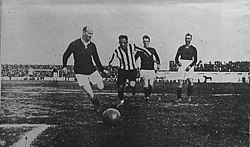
(121,93)
(145,89)
(133,89)
(190,90)
(149,90)
(179,91)
(95,101)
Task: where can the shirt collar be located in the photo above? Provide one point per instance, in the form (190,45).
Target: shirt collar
(84,42)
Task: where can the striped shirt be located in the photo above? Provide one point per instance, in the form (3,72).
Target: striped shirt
(126,57)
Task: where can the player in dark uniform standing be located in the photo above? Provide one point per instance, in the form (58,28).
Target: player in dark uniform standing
(84,51)
(186,58)
(125,53)
(149,58)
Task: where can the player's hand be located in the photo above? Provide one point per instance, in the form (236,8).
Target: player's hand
(188,68)
(105,72)
(64,70)
(109,67)
(179,64)
(158,66)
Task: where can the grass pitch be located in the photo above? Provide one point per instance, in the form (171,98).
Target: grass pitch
(217,116)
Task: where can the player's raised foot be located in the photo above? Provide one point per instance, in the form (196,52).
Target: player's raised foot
(121,102)
(96,104)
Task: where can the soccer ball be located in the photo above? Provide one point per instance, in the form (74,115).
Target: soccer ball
(111,116)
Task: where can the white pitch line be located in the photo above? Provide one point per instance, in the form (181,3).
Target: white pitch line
(112,93)
(226,94)
(188,104)
(29,137)
(7,98)
(63,92)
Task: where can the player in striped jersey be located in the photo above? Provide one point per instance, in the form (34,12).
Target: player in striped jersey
(125,53)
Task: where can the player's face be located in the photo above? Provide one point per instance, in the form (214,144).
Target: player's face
(146,42)
(188,39)
(123,43)
(87,35)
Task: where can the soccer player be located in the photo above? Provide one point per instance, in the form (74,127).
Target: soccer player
(125,53)
(188,58)
(83,50)
(149,58)
(55,74)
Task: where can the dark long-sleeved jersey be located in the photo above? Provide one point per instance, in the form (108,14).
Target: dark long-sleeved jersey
(83,63)
(147,56)
(189,53)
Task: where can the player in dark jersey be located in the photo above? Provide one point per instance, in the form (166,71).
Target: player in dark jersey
(186,58)
(84,50)
(149,58)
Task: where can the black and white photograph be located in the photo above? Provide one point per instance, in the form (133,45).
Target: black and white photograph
(134,73)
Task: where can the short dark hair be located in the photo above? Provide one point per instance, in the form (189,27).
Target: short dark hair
(146,37)
(123,37)
(188,34)
(84,28)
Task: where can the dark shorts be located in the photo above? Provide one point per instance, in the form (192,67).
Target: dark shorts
(123,75)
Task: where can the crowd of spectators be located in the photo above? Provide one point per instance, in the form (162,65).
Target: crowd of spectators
(217,66)
(41,71)
(19,70)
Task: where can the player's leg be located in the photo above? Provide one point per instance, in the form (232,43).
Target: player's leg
(179,90)
(151,85)
(121,80)
(152,76)
(84,83)
(146,83)
(145,87)
(181,77)
(131,76)
(96,79)
(132,87)
(190,89)
(56,77)
(190,76)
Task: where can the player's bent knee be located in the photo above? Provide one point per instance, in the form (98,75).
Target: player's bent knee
(132,83)
(100,85)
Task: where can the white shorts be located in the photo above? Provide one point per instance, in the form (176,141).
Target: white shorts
(93,78)
(182,73)
(147,74)
(55,75)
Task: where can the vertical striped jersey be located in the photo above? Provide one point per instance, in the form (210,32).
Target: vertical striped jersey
(126,57)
